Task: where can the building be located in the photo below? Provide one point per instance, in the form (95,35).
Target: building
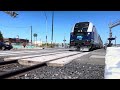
(15,40)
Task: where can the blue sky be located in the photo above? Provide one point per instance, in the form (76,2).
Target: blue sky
(63,22)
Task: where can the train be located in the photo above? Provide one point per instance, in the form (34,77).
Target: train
(84,37)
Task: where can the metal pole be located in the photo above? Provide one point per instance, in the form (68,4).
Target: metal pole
(52,28)
(110,36)
(46,27)
(64,40)
(46,32)
(31,35)
(36,40)
(110,33)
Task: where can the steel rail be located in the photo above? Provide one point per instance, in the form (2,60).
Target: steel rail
(8,62)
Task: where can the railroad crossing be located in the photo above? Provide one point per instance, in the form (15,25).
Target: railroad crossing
(54,59)
(32,57)
(58,57)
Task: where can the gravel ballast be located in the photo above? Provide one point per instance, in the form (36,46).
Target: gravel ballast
(73,70)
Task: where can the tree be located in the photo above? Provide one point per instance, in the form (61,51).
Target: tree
(35,35)
(1,37)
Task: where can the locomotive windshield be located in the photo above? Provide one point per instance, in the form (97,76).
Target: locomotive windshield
(80,31)
(81,27)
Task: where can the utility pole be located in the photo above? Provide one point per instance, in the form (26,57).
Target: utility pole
(31,35)
(110,36)
(52,29)
(64,41)
(46,28)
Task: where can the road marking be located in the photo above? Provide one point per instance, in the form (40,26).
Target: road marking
(29,56)
(64,61)
(97,56)
(32,61)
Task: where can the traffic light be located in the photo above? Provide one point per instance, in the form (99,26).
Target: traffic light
(11,13)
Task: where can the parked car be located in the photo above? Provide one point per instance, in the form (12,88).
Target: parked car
(4,46)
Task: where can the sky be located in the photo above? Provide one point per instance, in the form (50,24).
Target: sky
(63,23)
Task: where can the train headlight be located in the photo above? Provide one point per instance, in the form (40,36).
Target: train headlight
(72,43)
(88,33)
(87,43)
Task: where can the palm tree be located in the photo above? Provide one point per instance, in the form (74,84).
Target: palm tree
(35,35)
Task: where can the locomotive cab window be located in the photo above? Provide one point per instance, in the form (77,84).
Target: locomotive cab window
(85,29)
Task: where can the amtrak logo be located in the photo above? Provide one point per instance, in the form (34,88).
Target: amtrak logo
(79,37)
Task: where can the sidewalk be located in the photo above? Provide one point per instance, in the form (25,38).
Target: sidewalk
(112,63)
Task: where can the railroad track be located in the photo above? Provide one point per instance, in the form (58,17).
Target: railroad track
(18,72)
(8,62)
(9,74)
(6,74)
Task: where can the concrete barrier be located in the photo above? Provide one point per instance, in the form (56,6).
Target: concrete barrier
(112,63)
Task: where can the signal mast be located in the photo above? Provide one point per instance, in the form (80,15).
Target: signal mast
(111,25)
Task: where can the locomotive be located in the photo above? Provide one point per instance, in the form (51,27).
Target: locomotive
(84,37)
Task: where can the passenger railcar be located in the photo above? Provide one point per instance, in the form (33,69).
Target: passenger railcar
(84,37)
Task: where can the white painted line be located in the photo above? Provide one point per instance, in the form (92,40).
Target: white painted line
(63,61)
(96,56)
(44,58)
(20,53)
(28,56)
(6,53)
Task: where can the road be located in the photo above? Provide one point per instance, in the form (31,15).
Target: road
(89,66)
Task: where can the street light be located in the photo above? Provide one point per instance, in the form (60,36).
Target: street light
(52,28)
(31,34)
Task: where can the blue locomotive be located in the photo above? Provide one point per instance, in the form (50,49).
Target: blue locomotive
(84,37)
